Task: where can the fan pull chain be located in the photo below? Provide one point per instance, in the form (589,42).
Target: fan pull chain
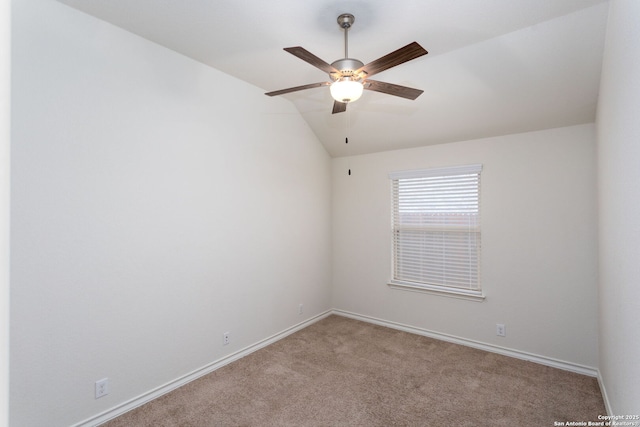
(346,140)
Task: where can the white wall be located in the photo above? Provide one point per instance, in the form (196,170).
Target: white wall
(539,248)
(5,124)
(619,209)
(156,203)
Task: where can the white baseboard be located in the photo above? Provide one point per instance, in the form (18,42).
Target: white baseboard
(178,382)
(603,391)
(543,360)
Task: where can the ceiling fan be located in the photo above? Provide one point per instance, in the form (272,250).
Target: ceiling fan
(350,76)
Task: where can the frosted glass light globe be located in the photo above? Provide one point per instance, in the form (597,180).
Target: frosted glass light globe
(346,90)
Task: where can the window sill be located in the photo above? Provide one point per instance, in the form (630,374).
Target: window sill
(434,290)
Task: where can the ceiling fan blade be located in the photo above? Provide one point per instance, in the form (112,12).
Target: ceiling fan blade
(411,51)
(391,89)
(297,88)
(339,107)
(309,57)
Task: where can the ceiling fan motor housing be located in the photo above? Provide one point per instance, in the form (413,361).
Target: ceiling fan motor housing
(346,66)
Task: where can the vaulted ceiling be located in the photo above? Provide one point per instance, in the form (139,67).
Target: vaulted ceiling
(494,67)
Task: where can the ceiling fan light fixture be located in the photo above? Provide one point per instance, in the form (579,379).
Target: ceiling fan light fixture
(346,90)
(349,76)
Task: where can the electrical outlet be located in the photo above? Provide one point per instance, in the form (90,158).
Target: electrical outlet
(102,388)
(501,331)
(300,309)
(226,338)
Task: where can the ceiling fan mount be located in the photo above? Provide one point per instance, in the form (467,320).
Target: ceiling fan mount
(349,76)
(346,20)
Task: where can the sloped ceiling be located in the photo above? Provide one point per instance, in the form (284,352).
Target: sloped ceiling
(494,67)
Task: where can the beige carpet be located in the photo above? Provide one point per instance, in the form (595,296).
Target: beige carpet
(343,372)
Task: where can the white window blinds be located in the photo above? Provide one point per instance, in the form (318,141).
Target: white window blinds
(436,227)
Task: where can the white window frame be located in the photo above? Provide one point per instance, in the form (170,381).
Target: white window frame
(414,279)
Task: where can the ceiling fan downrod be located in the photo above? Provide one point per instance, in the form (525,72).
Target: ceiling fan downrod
(345,21)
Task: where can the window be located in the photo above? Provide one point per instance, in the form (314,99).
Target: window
(436,230)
